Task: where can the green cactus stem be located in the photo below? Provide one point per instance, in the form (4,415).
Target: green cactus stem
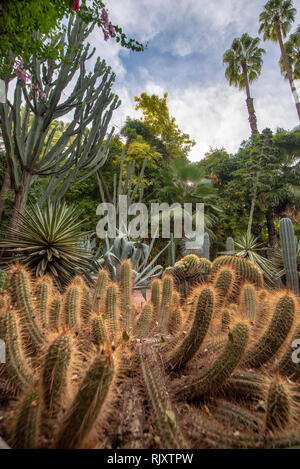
(289,253)
(270,342)
(87,404)
(54,374)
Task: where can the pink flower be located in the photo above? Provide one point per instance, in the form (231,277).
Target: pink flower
(42,95)
(76,5)
(111,29)
(104,17)
(106,36)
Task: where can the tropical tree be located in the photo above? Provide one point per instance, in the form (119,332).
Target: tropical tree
(244,63)
(292,50)
(157,118)
(276,21)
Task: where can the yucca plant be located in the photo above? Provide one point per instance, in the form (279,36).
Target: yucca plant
(249,247)
(47,239)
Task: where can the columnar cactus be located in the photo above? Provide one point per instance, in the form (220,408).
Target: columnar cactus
(288,247)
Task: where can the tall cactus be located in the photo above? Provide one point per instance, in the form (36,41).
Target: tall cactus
(30,147)
(289,253)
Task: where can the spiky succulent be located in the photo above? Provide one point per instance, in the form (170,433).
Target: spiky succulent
(48,240)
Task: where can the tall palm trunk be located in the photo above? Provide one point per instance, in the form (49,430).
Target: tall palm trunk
(249,102)
(288,71)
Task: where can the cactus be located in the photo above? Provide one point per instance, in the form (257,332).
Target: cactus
(21,286)
(246,270)
(145,321)
(288,246)
(165,305)
(74,152)
(17,366)
(155,297)
(72,306)
(275,334)
(224,284)
(54,373)
(248,302)
(98,331)
(54,313)
(225,320)
(278,412)
(169,431)
(225,364)
(72,386)
(111,309)
(43,293)
(3,280)
(27,419)
(126,292)
(87,404)
(100,288)
(191,343)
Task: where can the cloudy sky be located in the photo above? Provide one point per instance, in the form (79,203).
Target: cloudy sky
(186,41)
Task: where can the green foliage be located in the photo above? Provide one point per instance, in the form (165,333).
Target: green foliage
(31,27)
(157,117)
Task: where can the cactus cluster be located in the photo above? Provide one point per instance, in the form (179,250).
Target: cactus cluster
(90,369)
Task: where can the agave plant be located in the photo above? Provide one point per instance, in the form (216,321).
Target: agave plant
(249,247)
(48,240)
(124,247)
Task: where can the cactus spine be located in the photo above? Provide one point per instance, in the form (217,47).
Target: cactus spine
(155,296)
(288,246)
(3,279)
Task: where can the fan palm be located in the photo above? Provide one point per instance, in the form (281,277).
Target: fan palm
(185,184)
(276,21)
(292,50)
(244,63)
(48,240)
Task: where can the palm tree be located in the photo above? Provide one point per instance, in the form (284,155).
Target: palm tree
(292,50)
(244,62)
(276,20)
